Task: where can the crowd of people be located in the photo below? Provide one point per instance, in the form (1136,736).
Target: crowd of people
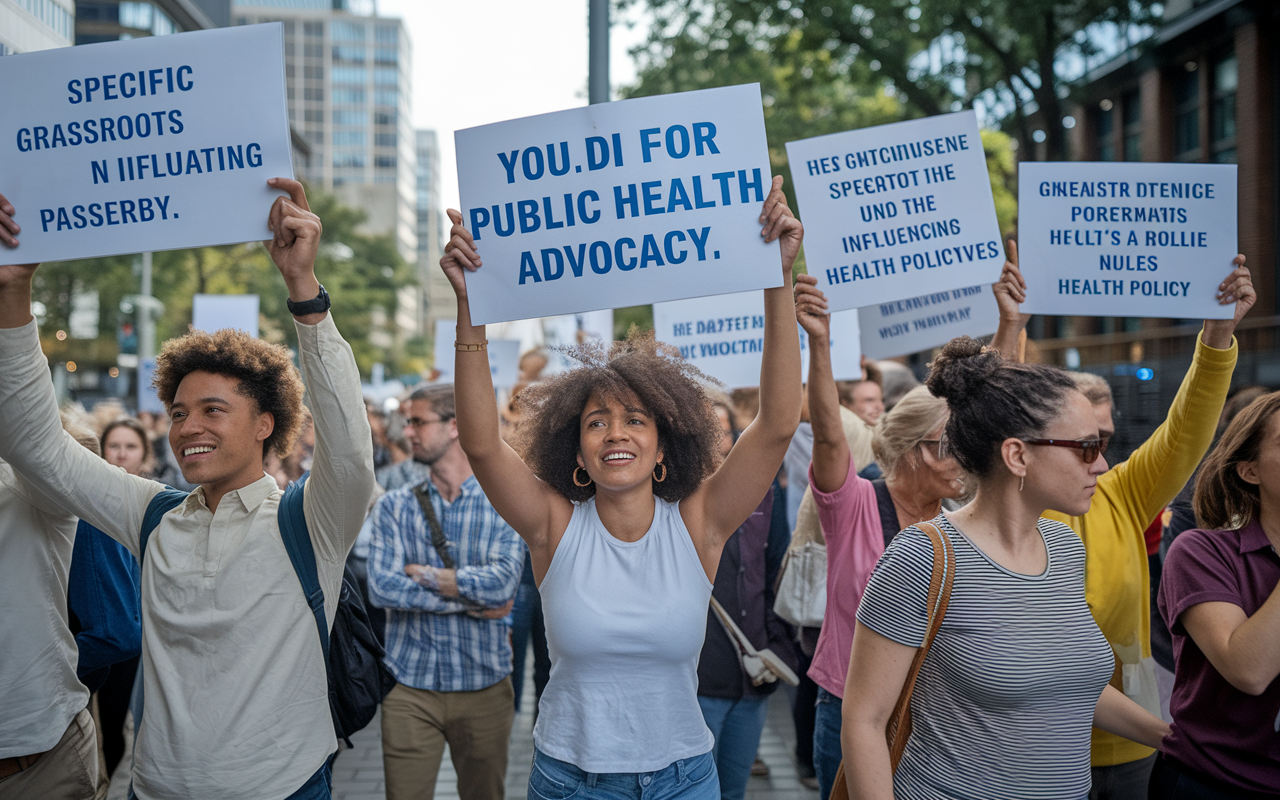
(999,621)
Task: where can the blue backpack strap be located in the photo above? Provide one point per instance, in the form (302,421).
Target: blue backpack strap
(161,504)
(297,542)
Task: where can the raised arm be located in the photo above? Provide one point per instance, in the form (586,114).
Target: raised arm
(830,448)
(56,469)
(1011,293)
(341,480)
(531,507)
(730,495)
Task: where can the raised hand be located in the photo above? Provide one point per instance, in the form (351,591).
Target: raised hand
(1011,290)
(15,279)
(1238,289)
(811,308)
(781,225)
(459,255)
(295,234)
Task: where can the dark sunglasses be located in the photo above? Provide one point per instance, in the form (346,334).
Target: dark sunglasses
(1089,449)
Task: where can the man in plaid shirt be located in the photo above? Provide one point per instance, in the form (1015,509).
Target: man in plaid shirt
(447,635)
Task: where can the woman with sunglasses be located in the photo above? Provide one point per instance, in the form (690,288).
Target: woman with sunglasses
(859,517)
(1130,495)
(1018,674)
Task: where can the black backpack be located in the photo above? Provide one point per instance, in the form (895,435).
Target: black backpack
(358,680)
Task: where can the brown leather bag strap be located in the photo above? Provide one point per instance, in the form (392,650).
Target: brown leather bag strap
(940,582)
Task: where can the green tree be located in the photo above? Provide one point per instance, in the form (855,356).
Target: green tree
(935,56)
(361,272)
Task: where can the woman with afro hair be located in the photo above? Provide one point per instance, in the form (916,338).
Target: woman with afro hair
(616,484)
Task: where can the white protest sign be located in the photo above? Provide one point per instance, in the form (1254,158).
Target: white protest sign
(212,312)
(504,356)
(154,143)
(897,210)
(1121,239)
(899,327)
(617,204)
(724,337)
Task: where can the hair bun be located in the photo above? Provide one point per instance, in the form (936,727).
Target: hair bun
(960,368)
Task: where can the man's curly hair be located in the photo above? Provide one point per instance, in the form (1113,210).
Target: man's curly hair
(668,387)
(264,373)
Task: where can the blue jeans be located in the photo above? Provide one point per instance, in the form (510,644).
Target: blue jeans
(687,779)
(317,787)
(826,741)
(737,725)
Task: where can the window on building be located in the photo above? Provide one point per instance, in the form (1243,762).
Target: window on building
(289,49)
(314,73)
(349,97)
(1225,79)
(1186,113)
(350,139)
(388,34)
(387,76)
(316,94)
(385,139)
(350,53)
(385,55)
(313,29)
(356,75)
(315,136)
(1104,129)
(384,118)
(313,50)
(385,161)
(1131,115)
(348,160)
(386,97)
(350,117)
(287,26)
(57,18)
(314,115)
(344,31)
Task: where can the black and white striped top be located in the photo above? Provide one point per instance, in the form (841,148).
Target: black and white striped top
(1004,703)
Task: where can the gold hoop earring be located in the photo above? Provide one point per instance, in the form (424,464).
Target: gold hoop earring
(664,473)
(575,478)
(1021,480)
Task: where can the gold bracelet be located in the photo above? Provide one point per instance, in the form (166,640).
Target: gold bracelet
(470,348)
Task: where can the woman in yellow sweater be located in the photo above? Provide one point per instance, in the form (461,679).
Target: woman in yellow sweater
(1129,496)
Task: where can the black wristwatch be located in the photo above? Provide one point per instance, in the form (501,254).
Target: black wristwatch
(317,306)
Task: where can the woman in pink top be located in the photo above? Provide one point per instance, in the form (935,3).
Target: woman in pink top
(859,516)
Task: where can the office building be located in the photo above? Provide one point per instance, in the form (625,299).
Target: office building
(348,76)
(437,295)
(29,25)
(109,20)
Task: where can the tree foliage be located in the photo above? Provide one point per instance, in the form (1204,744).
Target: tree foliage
(928,56)
(360,272)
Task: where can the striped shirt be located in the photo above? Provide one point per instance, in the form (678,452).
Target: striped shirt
(1003,705)
(431,642)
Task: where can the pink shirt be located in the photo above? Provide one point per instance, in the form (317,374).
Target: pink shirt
(855,540)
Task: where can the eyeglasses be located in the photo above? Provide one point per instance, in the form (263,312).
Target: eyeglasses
(419,422)
(1089,449)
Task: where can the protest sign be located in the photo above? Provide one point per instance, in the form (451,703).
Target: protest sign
(724,337)
(899,327)
(617,204)
(147,144)
(504,356)
(1122,239)
(897,210)
(212,312)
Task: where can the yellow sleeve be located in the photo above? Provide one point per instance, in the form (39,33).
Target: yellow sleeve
(1162,465)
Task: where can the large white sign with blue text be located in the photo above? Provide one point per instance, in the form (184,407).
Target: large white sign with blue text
(617,204)
(897,210)
(899,327)
(148,144)
(724,337)
(1126,239)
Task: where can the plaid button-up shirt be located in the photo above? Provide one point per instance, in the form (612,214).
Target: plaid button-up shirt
(432,643)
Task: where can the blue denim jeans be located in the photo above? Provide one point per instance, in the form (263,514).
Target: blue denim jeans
(317,787)
(687,779)
(826,741)
(737,725)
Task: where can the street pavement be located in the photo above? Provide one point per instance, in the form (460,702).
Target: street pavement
(357,774)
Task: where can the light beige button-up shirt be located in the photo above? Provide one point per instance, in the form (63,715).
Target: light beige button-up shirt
(235,683)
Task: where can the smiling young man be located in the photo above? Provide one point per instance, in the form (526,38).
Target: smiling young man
(234,676)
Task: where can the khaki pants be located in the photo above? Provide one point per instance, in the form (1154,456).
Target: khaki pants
(67,772)
(416,724)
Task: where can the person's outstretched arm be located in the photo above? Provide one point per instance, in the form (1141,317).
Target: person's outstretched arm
(340,485)
(1011,293)
(729,496)
(56,469)
(535,510)
(1115,713)
(831,463)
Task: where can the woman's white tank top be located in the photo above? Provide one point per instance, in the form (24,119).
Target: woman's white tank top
(625,625)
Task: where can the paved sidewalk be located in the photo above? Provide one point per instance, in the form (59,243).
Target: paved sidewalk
(357,774)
